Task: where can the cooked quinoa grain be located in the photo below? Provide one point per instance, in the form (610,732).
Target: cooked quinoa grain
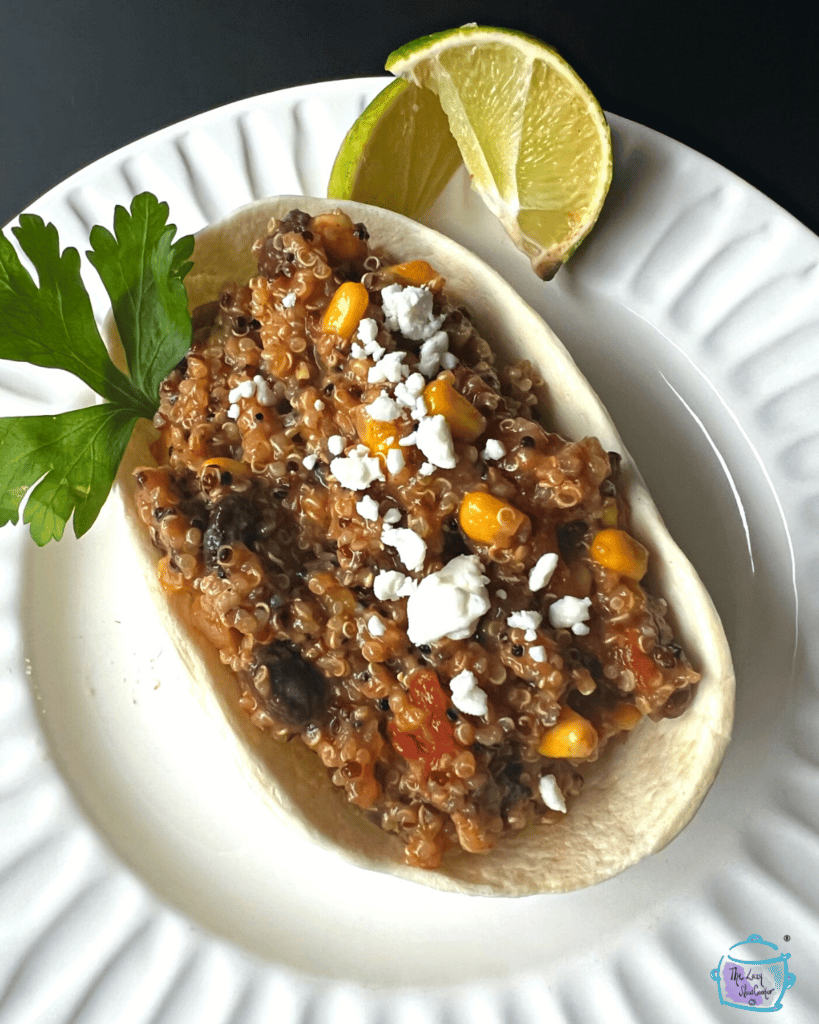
(398,562)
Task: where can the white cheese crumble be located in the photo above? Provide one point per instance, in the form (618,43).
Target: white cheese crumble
(318,405)
(309,461)
(537,653)
(376,626)
(542,571)
(408,391)
(448,602)
(409,310)
(550,793)
(449,360)
(384,409)
(367,508)
(248,389)
(358,470)
(529,636)
(524,620)
(233,412)
(336,444)
(467,696)
(411,548)
(392,515)
(289,300)
(395,461)
(390,367)
(435,441)
(432,352)
(419,410)
(410,439)
(390,584)
(571,613)
(493,450)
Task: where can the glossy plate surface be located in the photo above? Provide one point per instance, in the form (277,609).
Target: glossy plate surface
(139,882)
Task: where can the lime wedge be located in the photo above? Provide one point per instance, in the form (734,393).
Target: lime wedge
(533,137)
(399,154)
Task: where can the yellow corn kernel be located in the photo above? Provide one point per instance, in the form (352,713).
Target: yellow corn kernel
(169,579)
(489,520)
(337,234)
(379,436)
(619,551)
(572,736)
(624,716)
(608,516)
(232,466)
(347,307)
(417,273)
(465,422)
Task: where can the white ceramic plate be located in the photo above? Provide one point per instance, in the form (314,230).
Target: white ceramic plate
(139,882)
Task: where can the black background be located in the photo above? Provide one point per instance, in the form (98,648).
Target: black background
(80,78)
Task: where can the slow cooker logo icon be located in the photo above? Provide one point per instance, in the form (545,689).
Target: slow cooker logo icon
(753,975)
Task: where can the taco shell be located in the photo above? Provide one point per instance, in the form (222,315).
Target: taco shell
(640,794)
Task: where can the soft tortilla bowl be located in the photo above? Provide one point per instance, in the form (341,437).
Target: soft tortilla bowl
(641,793)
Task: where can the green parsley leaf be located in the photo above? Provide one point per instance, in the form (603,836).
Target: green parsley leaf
(54,325)
(143,272)
(75,455)
(79,452)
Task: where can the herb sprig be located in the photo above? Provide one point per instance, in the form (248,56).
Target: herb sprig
(75,455)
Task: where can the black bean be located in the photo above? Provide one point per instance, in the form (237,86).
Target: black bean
(297,691)
(517,651)
(527,442)
(231,520)
(570,537)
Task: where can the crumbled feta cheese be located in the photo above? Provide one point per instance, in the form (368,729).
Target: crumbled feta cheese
(493,450)
(411,548)
(550,793)
(419,410)
(367,508)
(264,396)
(318,405)
(426,469)
(384,409)
(376,626)
(358,470)
(391,584)
(448,602)
(356,351)
(392,515)
(336,444)
(449,360)
(289,300)
(542,571)
(431,353)
(233,412)
(395,461)
(435,441)
(367,331)
(409,310)
(537,653)
(410,439)
(571,613)
(390,367)
(529,636)
(467,696)
(524,620)
(309,461)
(406,392)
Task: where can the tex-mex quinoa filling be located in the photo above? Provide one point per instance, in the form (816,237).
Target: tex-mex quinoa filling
(399,563)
